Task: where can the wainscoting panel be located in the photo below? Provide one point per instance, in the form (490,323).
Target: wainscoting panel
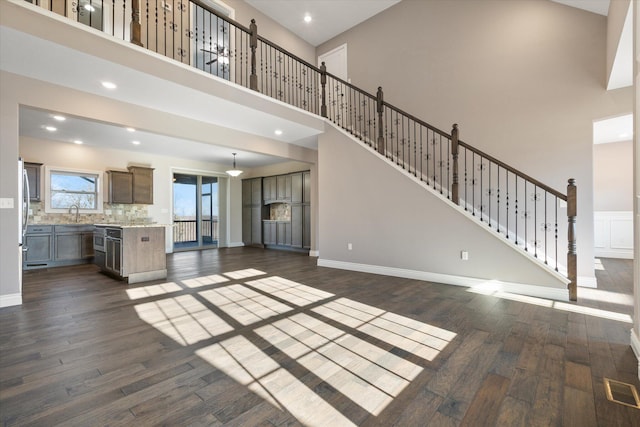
(613,234)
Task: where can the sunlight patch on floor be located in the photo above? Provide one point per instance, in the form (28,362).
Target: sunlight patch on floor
(184,319)
(244,304)
(597,265)
(558,305)
(199,282)
(289,290)
(407,334)
(244,274)
(319,338)
(153,290)
(247,364)
(608,296)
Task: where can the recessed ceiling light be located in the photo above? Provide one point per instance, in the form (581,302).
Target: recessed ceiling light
(51,128)
(77,141)
(131,130)
(307,18)
(278,132)
(59,118)
(109,85)
(135,142)
(89,8)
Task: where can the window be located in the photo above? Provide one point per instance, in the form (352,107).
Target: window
(67,187)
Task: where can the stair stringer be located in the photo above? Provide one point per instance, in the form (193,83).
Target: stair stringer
(371,202)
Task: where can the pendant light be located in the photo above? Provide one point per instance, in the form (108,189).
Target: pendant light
(234,172)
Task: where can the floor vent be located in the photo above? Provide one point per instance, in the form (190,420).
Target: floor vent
(622,393)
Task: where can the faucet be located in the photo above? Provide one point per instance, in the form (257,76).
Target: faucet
(77,210)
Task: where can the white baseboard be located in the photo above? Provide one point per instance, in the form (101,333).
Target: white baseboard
(635,345)
(560,294)
(618,253)
(235,244)
(314,253)
(10,300)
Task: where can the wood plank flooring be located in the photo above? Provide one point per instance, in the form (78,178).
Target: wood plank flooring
(251,337)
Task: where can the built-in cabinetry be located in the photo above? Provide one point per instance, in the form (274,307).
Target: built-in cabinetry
(134,253)
(134,186)
(253,211)
(58,245)
(33,176)
(292,190)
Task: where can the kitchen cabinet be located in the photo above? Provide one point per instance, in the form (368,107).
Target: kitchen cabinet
(142,185)
(34,177)
(134,186)
(253,211)
(135,253)
(306,226)
(269,189)
(54,246)
(283,188)
(277,233)
(297,226)
(39,244)
(296,188)
(306,187)
(270,236)
(120,187)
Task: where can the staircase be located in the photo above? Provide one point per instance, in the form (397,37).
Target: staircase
(525,211)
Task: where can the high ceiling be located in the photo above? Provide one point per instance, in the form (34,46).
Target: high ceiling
(332,17)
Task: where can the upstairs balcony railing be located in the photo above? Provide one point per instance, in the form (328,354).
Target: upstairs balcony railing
(520,208)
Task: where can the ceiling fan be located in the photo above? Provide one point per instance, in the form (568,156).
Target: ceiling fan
(220,51)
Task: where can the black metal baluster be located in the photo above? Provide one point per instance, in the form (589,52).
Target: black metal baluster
(516,210)
(473,183)
(556,232)
(526,218)
(466,183)
(546,226)
(535,221)
(507,214)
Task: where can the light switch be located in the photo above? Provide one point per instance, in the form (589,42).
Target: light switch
(6,203)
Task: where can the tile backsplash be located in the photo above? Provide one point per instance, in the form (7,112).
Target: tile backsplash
(111,213)
(280,212)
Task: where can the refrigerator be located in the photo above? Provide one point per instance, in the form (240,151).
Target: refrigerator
(24,197)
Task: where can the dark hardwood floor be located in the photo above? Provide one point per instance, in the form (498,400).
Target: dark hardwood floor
(251,337)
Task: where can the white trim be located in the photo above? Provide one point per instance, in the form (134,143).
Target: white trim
(612,254)
(100,189)
(587,282)
(635,346)
(10,300)
(235,244)
(447,279)
(483,225)
(314,253)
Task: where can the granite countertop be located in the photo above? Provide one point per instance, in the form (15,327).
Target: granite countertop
(116,225)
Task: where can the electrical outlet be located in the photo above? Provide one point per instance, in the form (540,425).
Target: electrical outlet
(349,246)
(464,255)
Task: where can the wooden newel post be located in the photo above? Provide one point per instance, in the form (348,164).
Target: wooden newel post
(323,83)
(454,154)
(253,44)
(380,109)
(572,257)
(136,27)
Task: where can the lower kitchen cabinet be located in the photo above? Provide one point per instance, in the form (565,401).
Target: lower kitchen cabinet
(136,254)
(58,245)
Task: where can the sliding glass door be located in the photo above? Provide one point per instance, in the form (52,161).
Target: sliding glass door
(195,211)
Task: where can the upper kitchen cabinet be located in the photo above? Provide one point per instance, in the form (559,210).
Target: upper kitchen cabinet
(283,188)
(135,186)
(142,185)
(33,176)
(296,188)
(269,189)
(120,187)
(306,187)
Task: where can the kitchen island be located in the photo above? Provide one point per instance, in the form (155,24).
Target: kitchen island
(135,253)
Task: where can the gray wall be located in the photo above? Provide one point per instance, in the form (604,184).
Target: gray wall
(393,221)
(613,176)
(524,79)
